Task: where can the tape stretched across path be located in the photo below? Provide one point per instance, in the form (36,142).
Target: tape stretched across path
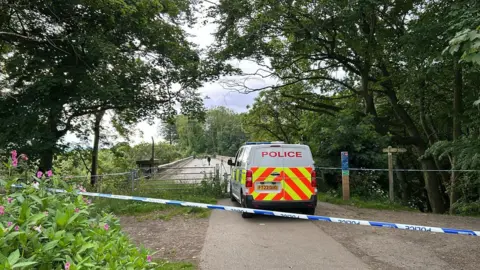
(280,214)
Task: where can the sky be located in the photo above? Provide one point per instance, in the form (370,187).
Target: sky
(201,34)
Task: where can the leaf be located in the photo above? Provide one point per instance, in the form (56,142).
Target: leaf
(50,245)
(12,235)
(3,258)
(20,199)
(85,247)
(61,218)
(36,199)
(13,257)
(35,218)
(23,264)
(59,234)
(70,220)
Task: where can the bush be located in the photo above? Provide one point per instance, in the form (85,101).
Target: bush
(43,230)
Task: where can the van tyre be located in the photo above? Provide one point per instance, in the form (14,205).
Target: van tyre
(231,195)
(310,211)
(243,204)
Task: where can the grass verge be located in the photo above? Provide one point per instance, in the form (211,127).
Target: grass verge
(162,211)
(362,203)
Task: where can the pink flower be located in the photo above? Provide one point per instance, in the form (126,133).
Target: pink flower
(24,157)
(14,162)
(82,189)
(9,224)
(106,227)
(77,210)
(17,228)
(67,266)
(85,200)
(9,200)
(14,154)
(2,210)
(39,174)
(49,173)
(149,258)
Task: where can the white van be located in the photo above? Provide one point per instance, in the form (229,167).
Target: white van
(270,175)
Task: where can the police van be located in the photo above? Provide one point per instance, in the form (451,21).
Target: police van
(274,175)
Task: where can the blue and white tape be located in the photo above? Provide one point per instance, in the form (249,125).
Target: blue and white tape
(281,214)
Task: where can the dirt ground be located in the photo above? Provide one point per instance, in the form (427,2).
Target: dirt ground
(384,248)
(181,238)
(177,239)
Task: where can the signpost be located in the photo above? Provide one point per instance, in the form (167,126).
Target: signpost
(345,177)
(390,152)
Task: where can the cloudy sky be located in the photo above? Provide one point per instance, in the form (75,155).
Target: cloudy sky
(218,95)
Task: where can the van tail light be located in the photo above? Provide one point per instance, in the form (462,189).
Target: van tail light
(249,182)
(313,178)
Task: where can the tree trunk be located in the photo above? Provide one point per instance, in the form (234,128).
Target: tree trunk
(49,142)
(432,137)
(457,126)
(402,180)
(96,142)
(432,183)
(46,160)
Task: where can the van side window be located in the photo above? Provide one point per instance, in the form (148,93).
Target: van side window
(239,156)
(244,157)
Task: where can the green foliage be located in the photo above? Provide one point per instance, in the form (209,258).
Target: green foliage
(122,207)
(73,59)
(381,204)
(383,81)
(220,133)
(41,230)
(119,158)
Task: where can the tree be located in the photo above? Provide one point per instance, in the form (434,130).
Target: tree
(168,131)
(387,52)
(70,60)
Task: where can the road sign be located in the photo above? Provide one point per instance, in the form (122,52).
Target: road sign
(344,156)
(394,150)
(345,177)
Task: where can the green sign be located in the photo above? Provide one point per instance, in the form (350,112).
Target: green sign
(345,172)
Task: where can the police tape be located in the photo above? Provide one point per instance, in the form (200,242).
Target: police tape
(280,214)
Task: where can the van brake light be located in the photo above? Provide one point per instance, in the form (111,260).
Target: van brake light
(313,180)
(249,182)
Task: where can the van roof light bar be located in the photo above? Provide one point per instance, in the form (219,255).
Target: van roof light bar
(256,143)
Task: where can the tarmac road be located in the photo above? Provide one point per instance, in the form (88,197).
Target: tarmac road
(193,171)
(271,243)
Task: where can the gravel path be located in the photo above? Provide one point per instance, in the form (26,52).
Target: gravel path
(384,248)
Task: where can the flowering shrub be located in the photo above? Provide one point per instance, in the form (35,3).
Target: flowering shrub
(40,229)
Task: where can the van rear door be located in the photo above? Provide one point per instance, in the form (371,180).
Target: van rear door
(297,173)
(281,173)
(267,170)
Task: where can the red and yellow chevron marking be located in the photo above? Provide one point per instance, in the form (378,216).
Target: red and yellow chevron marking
(295,183)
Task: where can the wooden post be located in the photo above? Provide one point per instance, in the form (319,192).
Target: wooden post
(390,176)
(345,177)
(390,152)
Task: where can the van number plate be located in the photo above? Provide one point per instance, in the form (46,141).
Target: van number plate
(267,187)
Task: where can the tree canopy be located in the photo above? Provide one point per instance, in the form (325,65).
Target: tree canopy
(376,62)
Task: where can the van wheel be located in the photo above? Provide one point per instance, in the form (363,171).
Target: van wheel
(310,211)
(231,195)
(244,214)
